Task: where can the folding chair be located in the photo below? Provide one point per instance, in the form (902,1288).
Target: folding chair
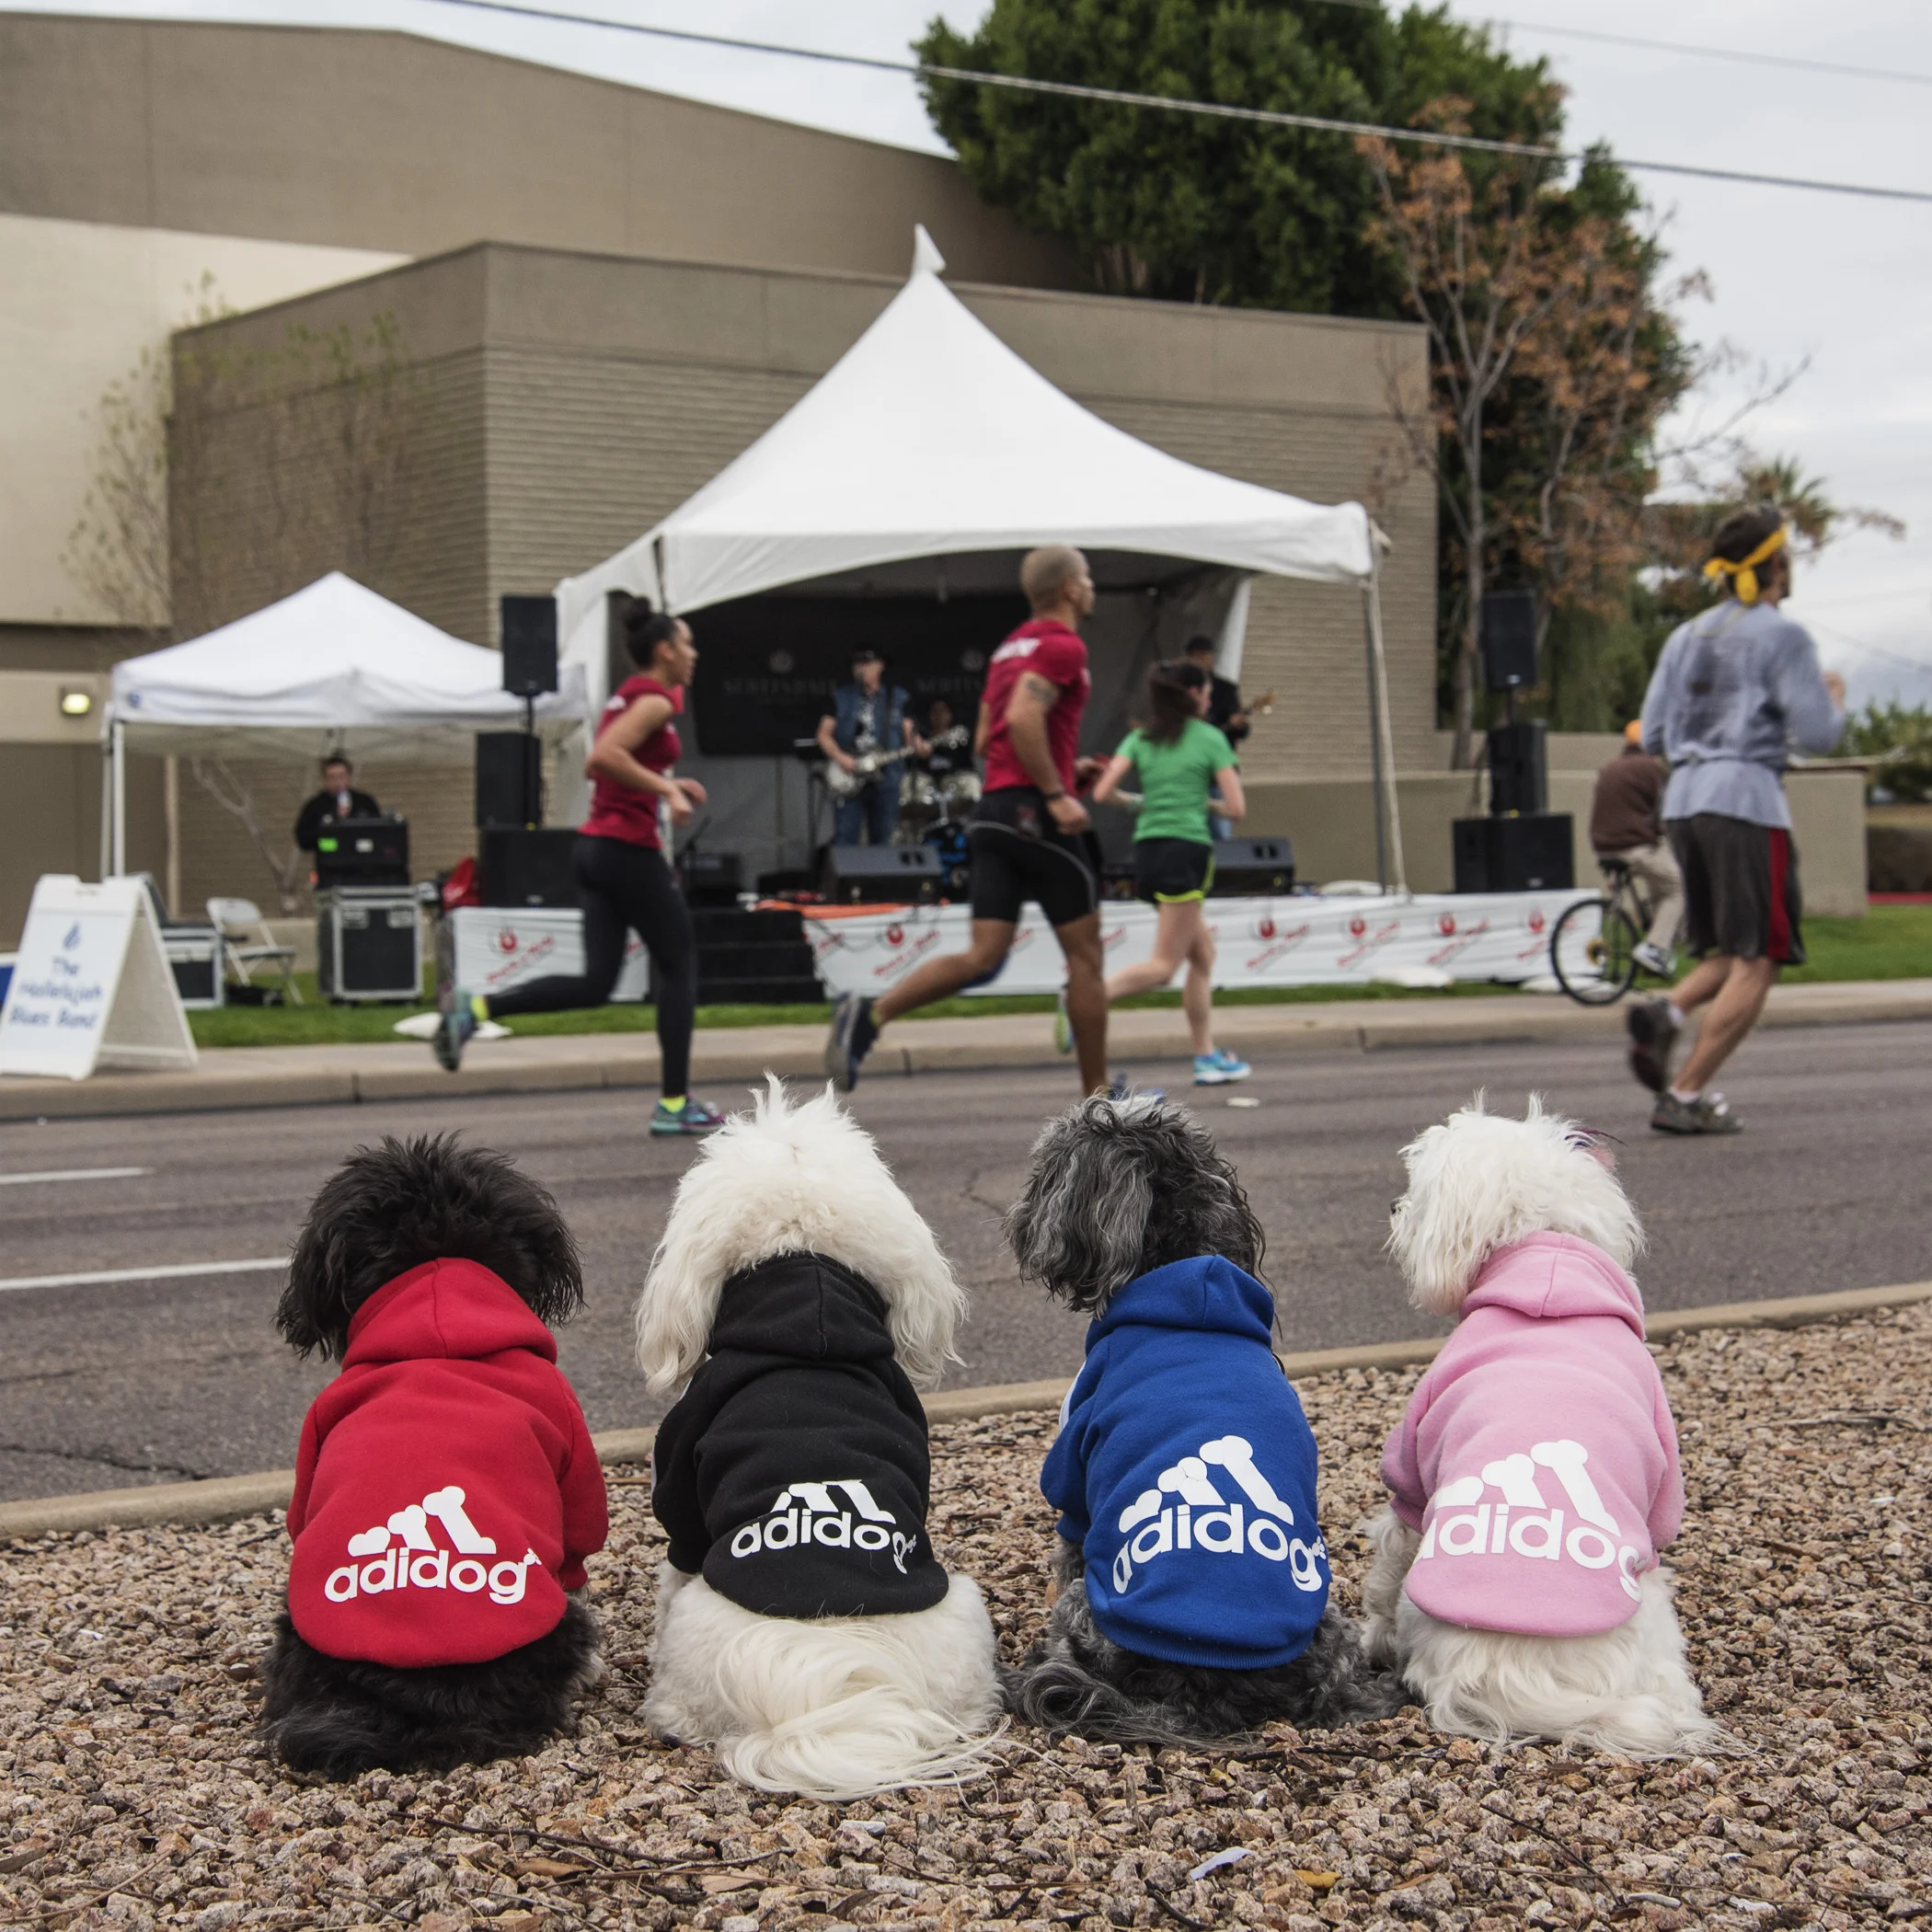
(233,919)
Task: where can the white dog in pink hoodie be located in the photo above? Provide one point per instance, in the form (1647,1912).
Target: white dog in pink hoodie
(1516,1585)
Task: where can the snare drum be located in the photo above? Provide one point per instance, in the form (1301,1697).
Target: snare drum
(958,792)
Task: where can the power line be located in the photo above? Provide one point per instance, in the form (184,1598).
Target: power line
(924,70)
(1750,56)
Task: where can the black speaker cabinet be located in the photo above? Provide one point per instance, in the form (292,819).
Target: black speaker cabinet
(1518,767)
(711,878)
(529,627)
(533,867)
(1248,866)
(510,774)
(1530,854)
(882,875)
(1509,639)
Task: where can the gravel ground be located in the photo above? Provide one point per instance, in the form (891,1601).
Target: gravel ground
(133,1793)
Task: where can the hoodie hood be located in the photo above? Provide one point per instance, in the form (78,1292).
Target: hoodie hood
(1205,1292)
(456,1309)
(806,1306)
(1548,1277)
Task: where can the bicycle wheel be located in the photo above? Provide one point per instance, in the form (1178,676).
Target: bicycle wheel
(1592,951)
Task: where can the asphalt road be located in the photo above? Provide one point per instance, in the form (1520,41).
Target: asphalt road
(157,1381)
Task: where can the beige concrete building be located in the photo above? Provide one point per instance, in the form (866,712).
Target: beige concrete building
(661,279)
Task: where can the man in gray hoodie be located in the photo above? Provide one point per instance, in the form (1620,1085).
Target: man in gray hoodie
(1734,687)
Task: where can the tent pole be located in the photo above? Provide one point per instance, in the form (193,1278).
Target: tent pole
(107,803)
(1384,731)
(121,800)
(1368,640)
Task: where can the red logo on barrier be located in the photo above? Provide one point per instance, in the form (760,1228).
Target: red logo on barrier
(1537,922)
(1357,927)
(1446,926)
(1265,929)
(895,936)
(507,942)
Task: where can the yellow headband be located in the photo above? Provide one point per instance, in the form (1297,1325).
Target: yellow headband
(1743,576)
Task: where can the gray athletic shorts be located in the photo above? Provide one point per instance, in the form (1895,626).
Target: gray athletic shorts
(1740,896)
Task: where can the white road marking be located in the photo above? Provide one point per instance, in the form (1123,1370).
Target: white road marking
(98,1277)
(21,1180)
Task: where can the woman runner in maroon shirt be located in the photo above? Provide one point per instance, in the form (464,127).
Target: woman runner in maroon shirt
(627,883)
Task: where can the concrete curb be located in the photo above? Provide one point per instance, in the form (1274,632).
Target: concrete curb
(223,1499)
(232,1078)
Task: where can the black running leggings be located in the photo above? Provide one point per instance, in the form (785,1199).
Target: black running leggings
(625,888)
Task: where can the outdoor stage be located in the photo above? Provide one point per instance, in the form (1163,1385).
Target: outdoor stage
(1298,939)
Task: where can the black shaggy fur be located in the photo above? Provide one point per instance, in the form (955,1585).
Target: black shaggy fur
(386,1210)
(391,1208)
(339,1718)
(1075,1679)
(1117,1191)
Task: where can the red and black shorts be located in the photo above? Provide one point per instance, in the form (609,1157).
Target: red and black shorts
(1741,891)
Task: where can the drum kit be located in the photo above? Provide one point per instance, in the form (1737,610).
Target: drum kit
(929,802)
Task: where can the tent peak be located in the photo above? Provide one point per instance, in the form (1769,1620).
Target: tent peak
(926,259)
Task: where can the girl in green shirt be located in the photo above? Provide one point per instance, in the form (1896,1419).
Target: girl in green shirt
(1178,758)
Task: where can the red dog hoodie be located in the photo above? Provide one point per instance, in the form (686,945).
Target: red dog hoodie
(446,1491)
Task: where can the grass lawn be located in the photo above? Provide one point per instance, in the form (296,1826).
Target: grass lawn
(1892,942)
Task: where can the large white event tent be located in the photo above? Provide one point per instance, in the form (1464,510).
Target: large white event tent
(931,442)
(334,664)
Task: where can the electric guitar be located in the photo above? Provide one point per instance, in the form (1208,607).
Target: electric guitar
(843,784)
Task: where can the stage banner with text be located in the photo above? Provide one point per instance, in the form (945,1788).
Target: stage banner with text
(91,985)
(1300,939)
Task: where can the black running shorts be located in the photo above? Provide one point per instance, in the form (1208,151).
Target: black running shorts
(1741,894)
(1170,871)
(1018,853)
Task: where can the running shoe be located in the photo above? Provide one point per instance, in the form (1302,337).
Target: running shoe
(1708,1113)
(853,1033)
(1119,1089)
(1652,959)
(695,1116)
(1220,1067)
(1653,1035)
(464,1013)
(1062,1026)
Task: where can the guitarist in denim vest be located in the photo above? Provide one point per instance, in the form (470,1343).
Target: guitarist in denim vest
(868,723)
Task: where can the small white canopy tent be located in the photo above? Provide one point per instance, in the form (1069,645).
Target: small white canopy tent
(334,664)
(931,440)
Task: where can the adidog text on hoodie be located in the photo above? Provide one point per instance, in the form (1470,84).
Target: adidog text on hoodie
(794,1471)
(446,1490)
(1185,1470)
(1537,1457)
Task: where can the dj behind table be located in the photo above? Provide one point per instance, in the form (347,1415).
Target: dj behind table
(368,935)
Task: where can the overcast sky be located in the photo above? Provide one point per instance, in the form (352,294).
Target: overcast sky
(1845,283)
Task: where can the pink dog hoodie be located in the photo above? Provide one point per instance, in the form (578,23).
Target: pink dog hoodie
(1537,1457)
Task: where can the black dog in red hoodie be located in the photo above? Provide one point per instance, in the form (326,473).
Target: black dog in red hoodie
(446,1491)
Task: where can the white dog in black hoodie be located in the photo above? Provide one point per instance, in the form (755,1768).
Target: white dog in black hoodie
(804,1626)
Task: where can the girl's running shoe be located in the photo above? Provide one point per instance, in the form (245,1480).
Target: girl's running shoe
(695,1116)
(1062,1026)
(1220,1067)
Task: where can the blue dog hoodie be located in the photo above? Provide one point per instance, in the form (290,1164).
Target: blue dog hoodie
(1185,1470)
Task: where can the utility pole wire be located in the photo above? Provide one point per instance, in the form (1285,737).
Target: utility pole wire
(1267,117)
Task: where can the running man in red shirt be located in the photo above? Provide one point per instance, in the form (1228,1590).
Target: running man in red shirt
(1026,837)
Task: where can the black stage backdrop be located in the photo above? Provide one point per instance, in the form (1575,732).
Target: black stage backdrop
(766,666)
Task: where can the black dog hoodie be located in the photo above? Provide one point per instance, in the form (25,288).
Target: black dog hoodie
(794,1471)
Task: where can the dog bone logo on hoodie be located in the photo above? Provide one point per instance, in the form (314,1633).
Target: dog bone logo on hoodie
(419,1562)
(1484,1529)
(1200,1517)
(804,1514)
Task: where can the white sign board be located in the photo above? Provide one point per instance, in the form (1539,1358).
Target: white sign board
(91,985)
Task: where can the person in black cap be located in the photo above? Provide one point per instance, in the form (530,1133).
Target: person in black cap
(867,720)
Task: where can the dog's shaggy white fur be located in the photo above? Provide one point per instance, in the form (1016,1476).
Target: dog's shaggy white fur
(835,1707)
(1478,1183)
